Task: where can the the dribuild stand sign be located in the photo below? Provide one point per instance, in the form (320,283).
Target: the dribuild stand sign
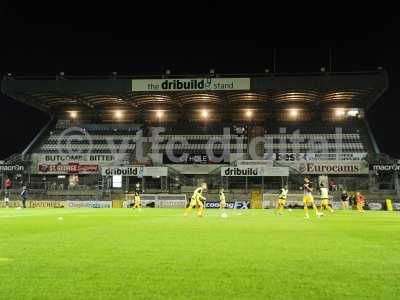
(190,84)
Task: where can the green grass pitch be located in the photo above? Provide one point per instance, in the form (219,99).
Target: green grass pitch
(160,254)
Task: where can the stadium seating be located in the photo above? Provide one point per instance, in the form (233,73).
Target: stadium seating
(313,137)
(200,139)
(94,138)
(198,145)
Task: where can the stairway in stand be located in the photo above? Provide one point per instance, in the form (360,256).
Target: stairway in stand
(256,132)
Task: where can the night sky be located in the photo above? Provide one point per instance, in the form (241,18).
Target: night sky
(44,39)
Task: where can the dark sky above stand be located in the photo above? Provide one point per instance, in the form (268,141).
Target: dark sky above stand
(148,38)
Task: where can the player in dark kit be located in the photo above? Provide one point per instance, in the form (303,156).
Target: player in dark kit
(24,196)
(345,199)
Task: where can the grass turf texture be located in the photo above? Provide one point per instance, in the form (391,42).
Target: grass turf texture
(159,254)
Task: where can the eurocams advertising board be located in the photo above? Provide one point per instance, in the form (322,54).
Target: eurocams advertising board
(330,167)
(334,168)
(255,171)
(190,84)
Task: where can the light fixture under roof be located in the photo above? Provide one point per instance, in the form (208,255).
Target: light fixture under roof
(353,112)
(159,114)
(339,112)
(118,114)
(73,114)
(293,112)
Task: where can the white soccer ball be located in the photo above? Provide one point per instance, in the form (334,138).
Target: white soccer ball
(60,218)
(290,210)
(224,215)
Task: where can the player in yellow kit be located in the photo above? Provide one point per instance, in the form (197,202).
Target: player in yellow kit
(360,199)
(308,199)
(283,193)
(324,199)
(136,198)
(137,203)
(222,200)
(197,200)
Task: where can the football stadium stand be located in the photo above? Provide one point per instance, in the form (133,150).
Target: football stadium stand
(247,133)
